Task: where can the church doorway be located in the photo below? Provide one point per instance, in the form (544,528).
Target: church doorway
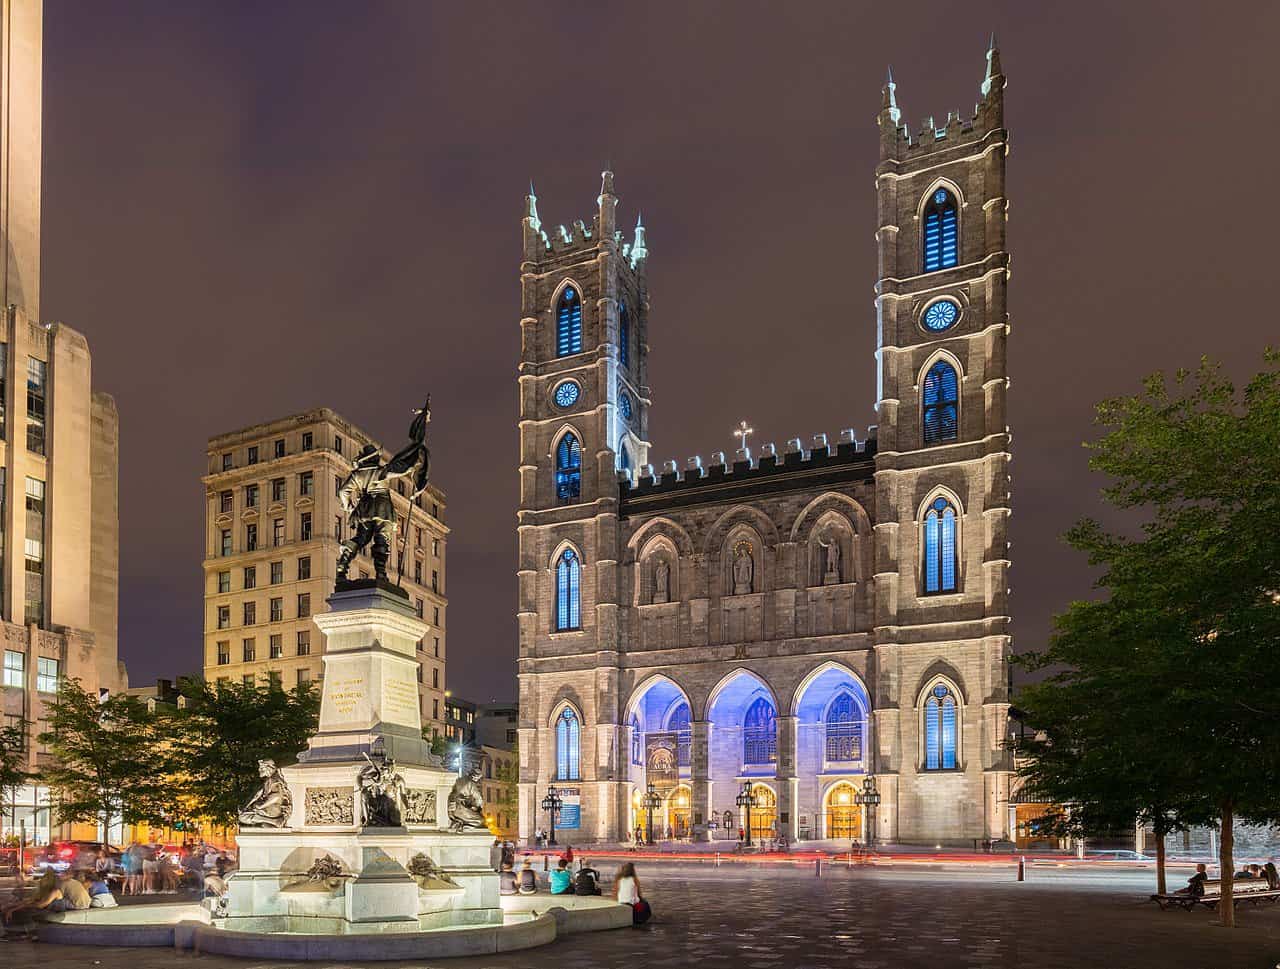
(678,805)
(843,815)
(764,815)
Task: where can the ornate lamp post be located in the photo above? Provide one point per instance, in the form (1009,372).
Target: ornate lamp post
(868,798)
(651,802)
(746,800)
(551,804)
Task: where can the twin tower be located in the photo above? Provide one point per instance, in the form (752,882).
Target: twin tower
(790,624)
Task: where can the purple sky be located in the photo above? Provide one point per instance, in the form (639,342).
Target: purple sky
(249,207)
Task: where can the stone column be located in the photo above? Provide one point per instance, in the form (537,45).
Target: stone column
(788,786)
(699,771)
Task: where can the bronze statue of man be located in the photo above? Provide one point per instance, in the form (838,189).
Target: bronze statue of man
(365,495)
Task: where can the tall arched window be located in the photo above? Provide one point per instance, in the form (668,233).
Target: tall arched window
(844,730)
(941,397)
(941,232)
(624,335)
(569,323)
(568,742)
(940,547)
(760,733)
(940,729)
(624,458)
(678,723)
(568,468)
(568,591)
(637,741)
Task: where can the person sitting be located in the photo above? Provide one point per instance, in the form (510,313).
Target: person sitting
(508,883)
(1255,871)
(567,854)
(1244,874)
(99,891)
(588,880)
(1195,884)
(627,891)
(75,896)
(528,878)
(1270,874)
(561,879)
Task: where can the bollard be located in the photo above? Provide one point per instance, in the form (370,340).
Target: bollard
(545,862)
(1022,863)
(851,861)
(717,859)
(817,867)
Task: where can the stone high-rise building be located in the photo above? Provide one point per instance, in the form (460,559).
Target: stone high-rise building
(272,528)
(59,455)
(795,622)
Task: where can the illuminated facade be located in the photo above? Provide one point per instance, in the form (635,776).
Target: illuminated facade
(793,620)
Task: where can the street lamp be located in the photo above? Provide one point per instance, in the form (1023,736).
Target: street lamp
(651,802)
(551,804)
(746,800)
(868,797)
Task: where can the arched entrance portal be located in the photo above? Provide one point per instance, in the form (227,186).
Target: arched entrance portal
(678,805)
(764,814)
(843,815)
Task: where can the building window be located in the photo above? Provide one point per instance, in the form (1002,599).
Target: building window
(624,335)
(253,455)
(435,547)
(435,511)
(435,581)
(304,567)
(941,398)
(308,440)
(941,232)
(417,572)
(337,444)
(304,642)
(250,577)
(418,607)
(277,489)
(568,737)
(306,483)
(844,730)
(36,386)
(435,615)
(250,613)
(224,581)
(277,532)
(251,496)
(226,462)
(4,385)
(940,729)
(435,709)
(569,323)
(679,724)
(304,605)
(224,541)
(46,675)
(760,733)
(337,527)
(224,617)
(276,646)
(15,669)
(34,552)
(568,468)
(303,676)
(435,678)
(226,501)
(435,642)
(277,609)
(224,652)
(249,650)
(250,538)
(304,527)
(419,674)
(277,573)
(940,547)
(279,448)
(273,680)
(568,591)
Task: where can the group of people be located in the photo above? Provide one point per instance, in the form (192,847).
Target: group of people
(68,892)
(149,869)
(569,879)
(1267,873)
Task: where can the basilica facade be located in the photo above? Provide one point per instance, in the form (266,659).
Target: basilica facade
(790,622)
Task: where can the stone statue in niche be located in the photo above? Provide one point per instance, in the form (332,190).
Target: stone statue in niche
(662,582)
(744,569)
(271,806)
(831,552)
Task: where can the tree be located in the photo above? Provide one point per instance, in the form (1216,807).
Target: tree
(1179,659)
(13,759)
(221,732)
(508,773)
(106,761)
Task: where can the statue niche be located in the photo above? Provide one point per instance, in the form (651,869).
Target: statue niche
(661,581)
(743,569)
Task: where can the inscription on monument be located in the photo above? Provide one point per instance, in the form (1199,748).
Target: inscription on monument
(345,694)
(399,701)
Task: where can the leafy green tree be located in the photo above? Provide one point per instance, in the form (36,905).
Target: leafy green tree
(221,732)
(13,759)
(107,760)
(1180,658)
(508,772)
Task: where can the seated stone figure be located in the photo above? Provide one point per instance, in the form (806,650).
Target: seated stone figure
(271,806)
(466,802)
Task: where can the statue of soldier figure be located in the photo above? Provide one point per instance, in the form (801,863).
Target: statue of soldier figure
(365,495)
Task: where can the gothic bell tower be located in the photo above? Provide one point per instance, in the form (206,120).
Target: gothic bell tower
(584,406)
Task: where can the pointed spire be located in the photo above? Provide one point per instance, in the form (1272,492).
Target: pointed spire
(531,208)
(638,248)
(606,183)
(993,66)
(890,103)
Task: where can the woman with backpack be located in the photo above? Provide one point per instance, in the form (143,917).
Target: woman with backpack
(627,891)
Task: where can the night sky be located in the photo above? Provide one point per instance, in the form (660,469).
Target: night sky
(252,209)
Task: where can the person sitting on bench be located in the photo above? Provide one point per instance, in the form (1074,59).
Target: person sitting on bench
(1195,884)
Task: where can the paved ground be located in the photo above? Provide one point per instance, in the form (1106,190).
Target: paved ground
(785,918)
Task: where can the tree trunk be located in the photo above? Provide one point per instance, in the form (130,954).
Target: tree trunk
(1161,885)
(1227,907)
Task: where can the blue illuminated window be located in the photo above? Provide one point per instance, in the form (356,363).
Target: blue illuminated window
(760,733)
(568,468)
(569,323)
(624,458)
(940,729)
(624,405)
(624,334)
(940,547)
(678,723)
(940,399)
(567,394)
(568,591)
(941,315)
(941,232)
(637,741)
(568,743)
(844,730)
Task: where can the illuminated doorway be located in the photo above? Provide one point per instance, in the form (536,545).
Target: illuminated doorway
(844,816)
(764,815)
(678,805)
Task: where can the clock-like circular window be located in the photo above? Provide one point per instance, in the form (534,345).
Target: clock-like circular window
(567,394)
(941,315)
(624,405)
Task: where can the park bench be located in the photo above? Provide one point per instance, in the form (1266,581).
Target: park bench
(1255,891)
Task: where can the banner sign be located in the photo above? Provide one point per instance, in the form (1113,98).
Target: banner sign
(570,808)
(661,761)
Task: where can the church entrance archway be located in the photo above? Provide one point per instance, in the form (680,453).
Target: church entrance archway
(764,815)
(678,808)
(842,813)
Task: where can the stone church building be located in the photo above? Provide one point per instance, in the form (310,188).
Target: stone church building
(792,621)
